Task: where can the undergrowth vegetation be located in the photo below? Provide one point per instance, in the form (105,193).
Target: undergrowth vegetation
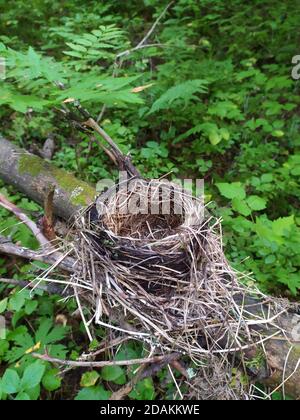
(210,95)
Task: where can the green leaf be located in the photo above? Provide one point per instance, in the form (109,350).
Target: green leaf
(296,171)
(83,41)
(34,393)
(184,91)
(241,207)
(76,47)
(277,133)
(283,225)
(89,379)
(225,133)
(256,203)
(22,396)
(96,393)
(3,305)
(233,190)
(51,380)
(34,59)
(113,374)
(264,230)
(214,138)
(30,306)
(266,178)
(32,375)
(226,109)
(22,342)
(17,301)
(143,390)
(292,281)
(91,37)
(47,335)
(270,259)
(4,346)
(10,382)
(129,351)
(73,54)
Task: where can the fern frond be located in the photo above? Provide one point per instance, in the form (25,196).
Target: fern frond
(184,92)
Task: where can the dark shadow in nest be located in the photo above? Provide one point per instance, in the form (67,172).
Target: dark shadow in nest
(136,254)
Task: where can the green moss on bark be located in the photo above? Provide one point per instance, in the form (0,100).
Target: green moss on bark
(81,193)
(31,165)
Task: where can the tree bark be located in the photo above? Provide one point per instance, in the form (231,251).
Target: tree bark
(34,177)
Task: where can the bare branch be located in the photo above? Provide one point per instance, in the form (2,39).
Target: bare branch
(139,46)
(8,248)
(87,364)
(123,162)
(152,29)
(25,219)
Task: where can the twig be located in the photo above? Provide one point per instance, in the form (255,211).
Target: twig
(13,282)
(108,152)
(25,219)
(22,283)
(128,52)
(152,29)
(95,126)
(85,122)
(82,315)
(178,366)
(139,46)
(8,248)
(105,346)
(175,382)
(285,380)
(144,372)
(123,162)
(146,360)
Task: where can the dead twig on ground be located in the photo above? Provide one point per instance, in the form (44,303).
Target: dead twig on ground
(89,364)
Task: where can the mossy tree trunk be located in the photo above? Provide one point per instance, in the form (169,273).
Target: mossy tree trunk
(35,177)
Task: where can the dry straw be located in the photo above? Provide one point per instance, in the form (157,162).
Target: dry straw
(163,279)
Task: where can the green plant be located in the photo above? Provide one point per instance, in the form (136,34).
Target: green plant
(26,386)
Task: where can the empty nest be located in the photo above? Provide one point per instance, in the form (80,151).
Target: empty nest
(163,278)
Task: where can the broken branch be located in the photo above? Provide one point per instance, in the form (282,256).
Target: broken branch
(87,364)
(8,248)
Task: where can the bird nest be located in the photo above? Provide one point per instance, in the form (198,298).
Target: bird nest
(151,267)
(147,263)
(161,276)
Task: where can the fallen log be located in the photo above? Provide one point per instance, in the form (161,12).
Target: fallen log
(34,177)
